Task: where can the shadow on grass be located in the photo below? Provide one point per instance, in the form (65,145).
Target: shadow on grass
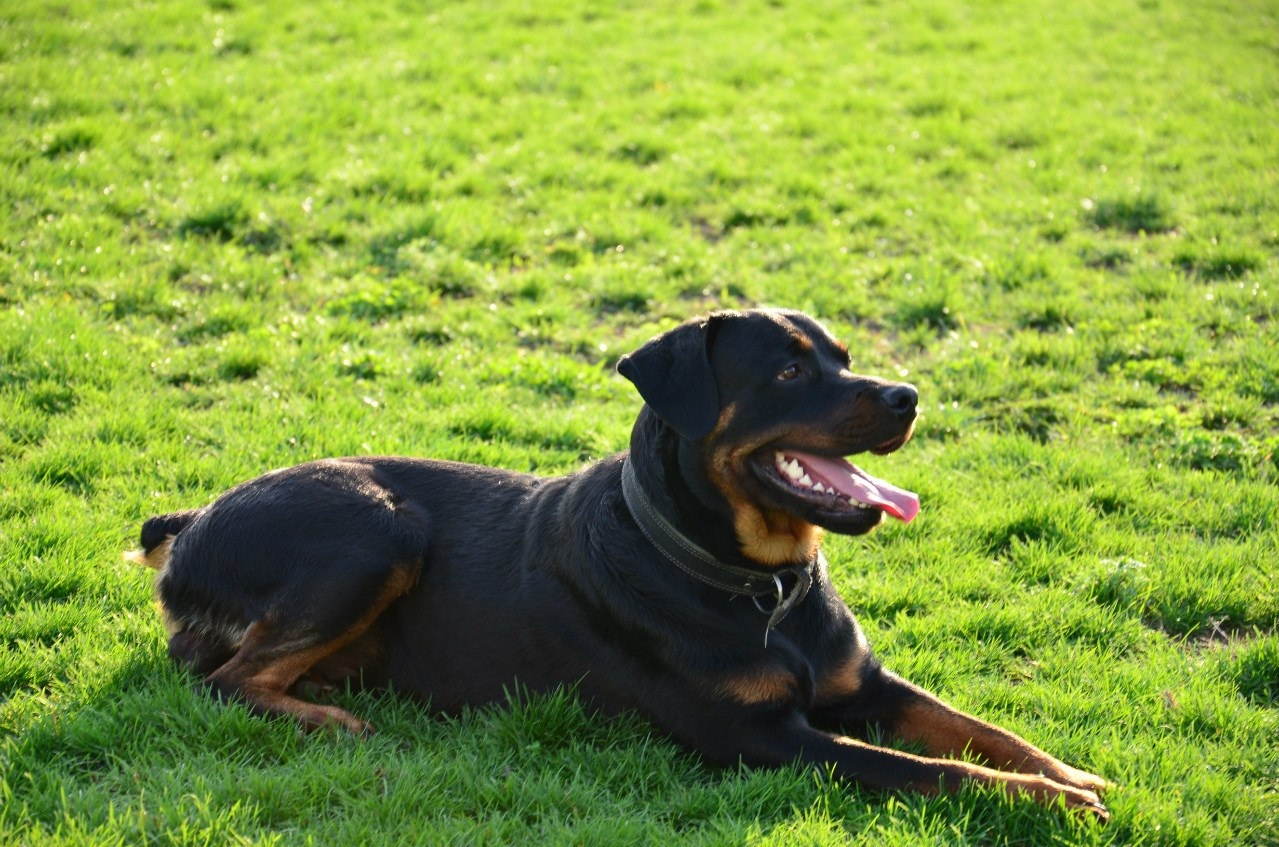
(148,755)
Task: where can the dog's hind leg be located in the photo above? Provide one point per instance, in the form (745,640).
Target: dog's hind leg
(279,649)
(201,655)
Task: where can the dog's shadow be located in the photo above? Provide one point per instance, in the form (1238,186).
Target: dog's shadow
(153,736)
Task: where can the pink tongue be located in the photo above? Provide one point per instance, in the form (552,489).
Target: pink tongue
(852,481)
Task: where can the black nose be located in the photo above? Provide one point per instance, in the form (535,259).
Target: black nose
(900,397)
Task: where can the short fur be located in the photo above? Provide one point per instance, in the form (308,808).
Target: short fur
(452,582)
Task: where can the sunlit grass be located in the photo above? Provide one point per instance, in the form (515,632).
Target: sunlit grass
(237,236)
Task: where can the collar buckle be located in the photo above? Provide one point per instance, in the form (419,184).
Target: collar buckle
(784,602)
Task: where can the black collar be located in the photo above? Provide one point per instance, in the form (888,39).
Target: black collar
(682,552)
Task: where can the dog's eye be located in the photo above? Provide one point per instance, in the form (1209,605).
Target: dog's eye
(788,373)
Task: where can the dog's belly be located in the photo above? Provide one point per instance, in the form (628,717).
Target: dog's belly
(454,649)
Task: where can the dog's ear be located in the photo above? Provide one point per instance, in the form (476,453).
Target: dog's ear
(672,372)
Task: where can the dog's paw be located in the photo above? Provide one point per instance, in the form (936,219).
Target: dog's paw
(1082,779)
(1096,810)
(1079,800)
(313,717)
(1048,791)
(358,728)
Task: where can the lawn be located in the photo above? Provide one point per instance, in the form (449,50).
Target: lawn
(235,236)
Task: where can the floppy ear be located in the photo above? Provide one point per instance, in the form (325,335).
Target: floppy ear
(672,372)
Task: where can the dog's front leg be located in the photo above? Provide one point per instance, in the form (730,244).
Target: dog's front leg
(781,740)
(908,713)
(946,731)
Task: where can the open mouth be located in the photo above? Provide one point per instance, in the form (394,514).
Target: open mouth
(838,484)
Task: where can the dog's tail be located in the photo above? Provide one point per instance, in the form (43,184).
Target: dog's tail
(157,538)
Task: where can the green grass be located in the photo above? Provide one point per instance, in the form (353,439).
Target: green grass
(236,236)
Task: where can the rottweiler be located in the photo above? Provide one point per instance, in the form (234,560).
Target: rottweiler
(681,580)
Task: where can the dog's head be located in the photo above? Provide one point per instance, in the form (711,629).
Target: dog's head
(765,401)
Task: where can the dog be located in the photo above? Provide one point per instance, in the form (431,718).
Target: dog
(681,580)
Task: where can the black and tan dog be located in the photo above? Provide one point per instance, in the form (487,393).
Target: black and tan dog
(682,580)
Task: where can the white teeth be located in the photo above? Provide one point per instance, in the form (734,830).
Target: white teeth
(792,468)
(794,471)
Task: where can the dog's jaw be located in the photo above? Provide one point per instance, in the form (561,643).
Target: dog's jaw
(779,519)
(835,483)
(778,511)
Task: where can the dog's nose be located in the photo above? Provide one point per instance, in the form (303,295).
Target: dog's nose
(900,397)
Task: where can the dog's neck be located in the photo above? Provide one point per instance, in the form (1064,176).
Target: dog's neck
(786,587)
(672,476)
